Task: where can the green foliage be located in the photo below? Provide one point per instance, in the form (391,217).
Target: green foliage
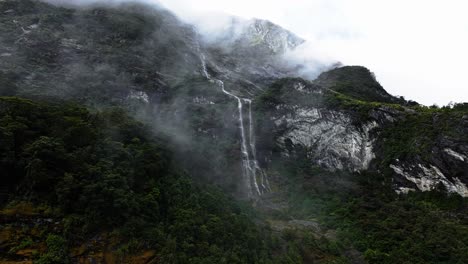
(362,207)
(416,132)
(413,136)
(284,91)
(356,82)
(57,252)
(419,132)
(311,189)
(360,109)
(418,228)
(24,244)
(369,216)
(106,173)
(7,85)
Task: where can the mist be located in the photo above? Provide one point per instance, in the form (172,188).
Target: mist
(91,2)
(403,53)
(415,49)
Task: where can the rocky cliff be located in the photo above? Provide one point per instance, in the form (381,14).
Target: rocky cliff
(334,121)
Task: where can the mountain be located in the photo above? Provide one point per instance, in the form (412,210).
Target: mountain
(130,137)
(257,34)
(344,120)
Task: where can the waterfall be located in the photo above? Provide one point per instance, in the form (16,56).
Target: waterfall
(250,165)
(263,177)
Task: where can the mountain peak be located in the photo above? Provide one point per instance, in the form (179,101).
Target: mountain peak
(278,39)
(357,82)
(254,34)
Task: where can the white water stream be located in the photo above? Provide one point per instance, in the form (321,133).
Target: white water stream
(250,165)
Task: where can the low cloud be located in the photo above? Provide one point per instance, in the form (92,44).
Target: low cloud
(412,53)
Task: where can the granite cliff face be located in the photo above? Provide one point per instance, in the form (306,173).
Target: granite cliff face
(444,165)
(330,137)
(334,123)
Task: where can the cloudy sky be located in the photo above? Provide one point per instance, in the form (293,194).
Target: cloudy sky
(416,48)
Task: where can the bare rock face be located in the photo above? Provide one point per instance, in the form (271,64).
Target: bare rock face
(273,37)
(331,139)
(324,121)
(427,178)
(258,35)
(447,167)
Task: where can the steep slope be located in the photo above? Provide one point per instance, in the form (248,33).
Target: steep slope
(94,187)
(384,179)
(254,35)
(357,82)
(97,55)
(252,50)
(148,60)
(339,129)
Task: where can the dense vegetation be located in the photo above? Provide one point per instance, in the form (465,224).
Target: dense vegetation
(370,217)
(419,132)
(357,82)
(417,228)
(104,172)
(363,208)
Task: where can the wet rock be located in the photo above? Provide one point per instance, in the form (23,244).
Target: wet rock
(427,178)
(334,141)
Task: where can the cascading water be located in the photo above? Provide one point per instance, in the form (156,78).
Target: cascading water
(263,177)
(250,165)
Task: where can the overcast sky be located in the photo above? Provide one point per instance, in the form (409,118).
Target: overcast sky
(416,48)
